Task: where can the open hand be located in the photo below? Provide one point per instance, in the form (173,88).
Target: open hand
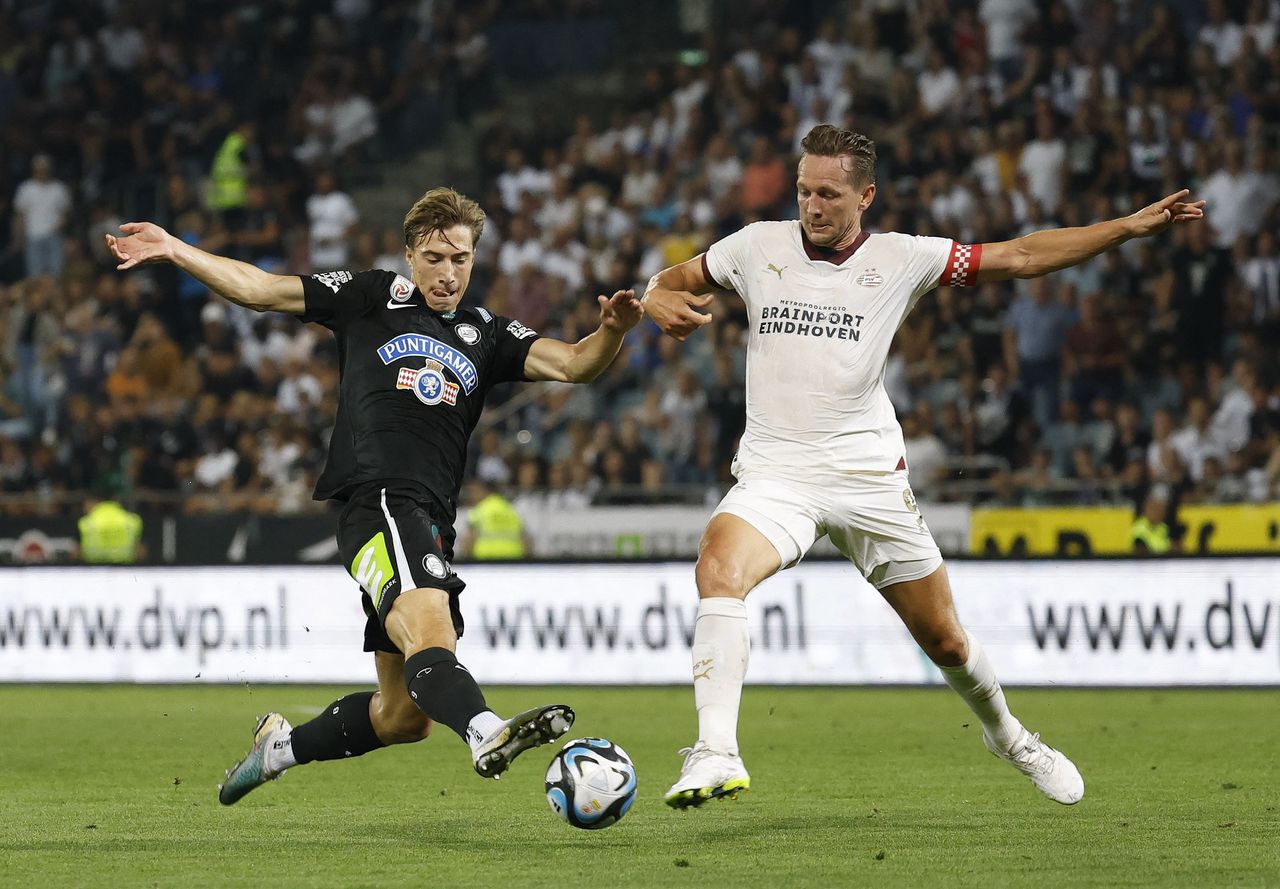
(142,242)
(620,312)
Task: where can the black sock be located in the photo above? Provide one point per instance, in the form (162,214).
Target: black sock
(344,729)
(443,689)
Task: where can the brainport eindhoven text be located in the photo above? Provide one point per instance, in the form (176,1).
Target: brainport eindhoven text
(811,322)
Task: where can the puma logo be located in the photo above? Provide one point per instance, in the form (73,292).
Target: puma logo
(705,673)
(774,268)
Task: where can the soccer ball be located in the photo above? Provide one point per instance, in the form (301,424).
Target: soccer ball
(591,783)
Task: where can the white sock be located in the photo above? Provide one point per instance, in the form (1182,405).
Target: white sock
(481,726)
(976,682)
(280,754)
(721,649)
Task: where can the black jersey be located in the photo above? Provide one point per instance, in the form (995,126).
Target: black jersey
(413,381)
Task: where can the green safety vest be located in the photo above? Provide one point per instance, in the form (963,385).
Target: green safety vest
(1155,536)
(109,534)
(229,178)
(497,529)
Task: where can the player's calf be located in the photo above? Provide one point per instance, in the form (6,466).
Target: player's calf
(447,693)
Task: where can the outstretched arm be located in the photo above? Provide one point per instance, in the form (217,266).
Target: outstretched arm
(583,361)
(674,294)
(1040,253)
(239,282)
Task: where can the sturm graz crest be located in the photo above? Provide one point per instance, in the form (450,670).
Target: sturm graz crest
(428,384)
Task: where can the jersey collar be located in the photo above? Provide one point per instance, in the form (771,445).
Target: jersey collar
(824,254)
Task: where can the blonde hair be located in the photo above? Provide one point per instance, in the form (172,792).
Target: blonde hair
(440,209)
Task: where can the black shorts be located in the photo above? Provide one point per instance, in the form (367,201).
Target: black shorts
(389,542)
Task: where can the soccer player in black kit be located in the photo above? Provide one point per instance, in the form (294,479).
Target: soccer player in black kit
(415,371)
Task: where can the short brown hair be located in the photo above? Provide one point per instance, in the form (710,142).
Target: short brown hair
(439,209)
(825,140)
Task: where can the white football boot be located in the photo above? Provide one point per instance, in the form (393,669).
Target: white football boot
(1049,770)
(522,732)
(707,774)
(258,767)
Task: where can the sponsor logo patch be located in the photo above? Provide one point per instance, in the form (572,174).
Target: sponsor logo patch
(416,345)
(519,331)
(372,569)
(435,565)
(333,280)
(428,384)
(401,289)
(467,333)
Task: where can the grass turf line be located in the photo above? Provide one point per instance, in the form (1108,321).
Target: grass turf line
(115,786)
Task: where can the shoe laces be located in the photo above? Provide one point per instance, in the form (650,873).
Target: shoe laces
(1035,756)
(692,754)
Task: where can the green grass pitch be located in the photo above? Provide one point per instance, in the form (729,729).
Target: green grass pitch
(115,786)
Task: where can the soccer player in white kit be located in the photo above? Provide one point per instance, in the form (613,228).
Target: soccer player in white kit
(823,453)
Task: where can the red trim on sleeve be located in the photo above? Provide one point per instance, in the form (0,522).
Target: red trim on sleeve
(706,270)
(962,266)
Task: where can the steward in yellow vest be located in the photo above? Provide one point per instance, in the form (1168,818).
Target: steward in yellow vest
(110,534)
(496,529)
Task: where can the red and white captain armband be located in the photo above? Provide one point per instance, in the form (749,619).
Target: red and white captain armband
(962,266)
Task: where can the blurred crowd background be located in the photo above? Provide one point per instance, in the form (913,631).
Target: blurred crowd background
(264,131)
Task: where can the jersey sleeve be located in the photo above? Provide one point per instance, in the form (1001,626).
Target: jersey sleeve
(928,258)
(335,298)
(724,261)
(512,343)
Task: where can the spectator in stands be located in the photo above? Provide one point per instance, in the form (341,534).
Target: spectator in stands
(620,187)
(1093,355)
(681,406)
(1239,196)
(332,216)
(926,454)
(764,179)
(1261,274)
(1035,333)
(42,205)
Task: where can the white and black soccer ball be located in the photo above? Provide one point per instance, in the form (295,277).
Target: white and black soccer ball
(591,783)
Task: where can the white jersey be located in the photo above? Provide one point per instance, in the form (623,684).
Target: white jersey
(820,330)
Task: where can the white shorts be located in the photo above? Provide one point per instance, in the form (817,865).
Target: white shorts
(871,517)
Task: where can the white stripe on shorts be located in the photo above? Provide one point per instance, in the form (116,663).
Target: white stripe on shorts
(402,562)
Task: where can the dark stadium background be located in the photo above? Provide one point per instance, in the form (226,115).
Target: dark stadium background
(607,141)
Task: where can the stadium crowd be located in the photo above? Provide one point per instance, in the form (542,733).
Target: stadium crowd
(1154,366)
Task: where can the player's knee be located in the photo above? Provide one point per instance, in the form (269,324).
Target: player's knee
(404,728)
(946,649)
(717,576)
